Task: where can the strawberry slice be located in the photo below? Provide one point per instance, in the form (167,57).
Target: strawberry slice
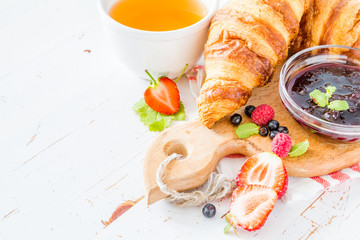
(163,96)
(250,207)
(264,169)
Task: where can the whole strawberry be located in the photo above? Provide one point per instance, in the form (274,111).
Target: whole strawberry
(262,114)
(281,145)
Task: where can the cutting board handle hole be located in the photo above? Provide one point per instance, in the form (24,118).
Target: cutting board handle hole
(175,146)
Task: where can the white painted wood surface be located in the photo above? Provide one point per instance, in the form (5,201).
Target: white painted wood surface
(71,149)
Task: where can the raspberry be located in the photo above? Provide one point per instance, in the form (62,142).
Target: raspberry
(262,114)
(281,145)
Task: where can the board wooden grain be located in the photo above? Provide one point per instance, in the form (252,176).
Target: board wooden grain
(203,148)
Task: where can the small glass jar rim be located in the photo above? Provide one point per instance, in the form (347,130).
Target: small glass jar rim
(348,128)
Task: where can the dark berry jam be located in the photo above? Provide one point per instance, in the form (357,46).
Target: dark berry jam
(345,78)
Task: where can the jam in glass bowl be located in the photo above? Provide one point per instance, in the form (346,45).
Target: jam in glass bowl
(320,87)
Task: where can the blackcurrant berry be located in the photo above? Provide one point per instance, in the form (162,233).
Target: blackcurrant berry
(283,129)
(248,110)
(263,131)
(235,119)
(273,133)
(273,125)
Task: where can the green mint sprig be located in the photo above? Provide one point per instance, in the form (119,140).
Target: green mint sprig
(338,105)
(330,90)
(299,149)
(246,130)
(322,99)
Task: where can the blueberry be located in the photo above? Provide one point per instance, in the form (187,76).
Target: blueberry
(273,125)
(273,133)
(283,129)
(263,131)
(248,110)
(235,119)
(209,210)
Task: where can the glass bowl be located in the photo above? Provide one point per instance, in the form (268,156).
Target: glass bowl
(311,57)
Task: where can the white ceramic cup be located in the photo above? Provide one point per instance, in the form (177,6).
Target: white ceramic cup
(158,52)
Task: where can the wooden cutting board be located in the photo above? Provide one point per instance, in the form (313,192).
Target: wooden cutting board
(204,148)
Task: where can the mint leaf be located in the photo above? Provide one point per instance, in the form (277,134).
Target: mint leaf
(319,98)
(246,130)
(299,149)
(322,99)
(156,121)
(330,90)
(339,105)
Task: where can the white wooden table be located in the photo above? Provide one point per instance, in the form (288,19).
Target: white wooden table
(71,149)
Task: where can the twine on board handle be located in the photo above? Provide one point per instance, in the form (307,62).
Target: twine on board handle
(217,187)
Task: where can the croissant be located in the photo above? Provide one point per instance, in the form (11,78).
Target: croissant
(330,22)
(248,38)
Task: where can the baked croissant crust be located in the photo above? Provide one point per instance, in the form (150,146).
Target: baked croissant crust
(330,22)
(248,38)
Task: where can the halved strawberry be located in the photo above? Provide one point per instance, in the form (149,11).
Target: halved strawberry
(250,207)
(264,169)
(163,96)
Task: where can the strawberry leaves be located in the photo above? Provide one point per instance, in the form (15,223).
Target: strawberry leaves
(156,121)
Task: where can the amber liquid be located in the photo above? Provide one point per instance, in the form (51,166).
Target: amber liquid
(158,15)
